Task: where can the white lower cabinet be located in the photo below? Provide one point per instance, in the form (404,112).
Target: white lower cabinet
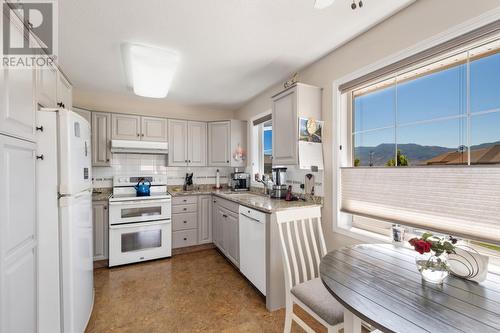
(204,219)
(184,221)
(18,236)
(225,226)
(100,219)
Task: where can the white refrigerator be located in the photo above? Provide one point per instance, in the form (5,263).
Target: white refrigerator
(65,221)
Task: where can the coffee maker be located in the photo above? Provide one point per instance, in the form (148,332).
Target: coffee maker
(280,187)
(240,181)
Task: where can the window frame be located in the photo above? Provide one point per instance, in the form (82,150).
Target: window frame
(342,105)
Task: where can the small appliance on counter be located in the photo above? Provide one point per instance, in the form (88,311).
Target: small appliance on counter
(240,181)
(279,187)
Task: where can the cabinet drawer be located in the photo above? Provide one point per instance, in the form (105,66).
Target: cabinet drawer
(229,205)
(183,209)
(184,200)
(184,221)
(184,238)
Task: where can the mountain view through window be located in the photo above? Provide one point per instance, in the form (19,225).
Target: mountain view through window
(445,114)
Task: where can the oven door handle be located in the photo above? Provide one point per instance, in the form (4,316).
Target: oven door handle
(134,202)
(137,225)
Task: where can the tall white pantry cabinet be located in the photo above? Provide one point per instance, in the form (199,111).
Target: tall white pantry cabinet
(18,224)
(22,92)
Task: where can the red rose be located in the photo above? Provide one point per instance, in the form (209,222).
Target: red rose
(422,246)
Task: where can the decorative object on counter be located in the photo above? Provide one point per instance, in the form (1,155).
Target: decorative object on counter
(217,179)
(398,234)
(188,182)
(292,81)
(309,183)
(468,264)
(289,195)
(432,261)
(142,189)
(310,130)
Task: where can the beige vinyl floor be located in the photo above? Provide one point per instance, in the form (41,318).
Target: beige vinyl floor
(193,292)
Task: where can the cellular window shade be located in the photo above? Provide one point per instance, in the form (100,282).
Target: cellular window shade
(448,46)
(461,201)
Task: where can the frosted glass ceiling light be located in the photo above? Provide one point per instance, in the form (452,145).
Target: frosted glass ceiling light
(322,4)
(150,69)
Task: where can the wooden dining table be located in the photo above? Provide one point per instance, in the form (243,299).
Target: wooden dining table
(380,285)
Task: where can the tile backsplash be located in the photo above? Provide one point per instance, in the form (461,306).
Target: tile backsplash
(147,164)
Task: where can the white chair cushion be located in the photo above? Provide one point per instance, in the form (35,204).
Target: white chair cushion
(315,295)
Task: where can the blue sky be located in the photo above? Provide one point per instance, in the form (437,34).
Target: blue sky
(268,142)
(441,94)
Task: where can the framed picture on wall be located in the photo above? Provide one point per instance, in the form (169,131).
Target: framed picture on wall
(310,130)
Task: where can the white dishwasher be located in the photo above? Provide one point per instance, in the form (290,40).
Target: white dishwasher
(252,227)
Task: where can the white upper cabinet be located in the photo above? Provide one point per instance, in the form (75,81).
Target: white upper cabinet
(153,129)
(219,136)
(300,100)
(197,143)
(125,127)
(227,143)
(46,87)
(64,92)
(101,137)
(177,142)
(284,116)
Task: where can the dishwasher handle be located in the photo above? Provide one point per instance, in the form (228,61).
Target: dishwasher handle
(252,218)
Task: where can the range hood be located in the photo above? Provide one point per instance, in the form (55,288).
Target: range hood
(138,147)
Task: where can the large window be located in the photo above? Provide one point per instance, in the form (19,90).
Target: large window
(446,112)
(262,146)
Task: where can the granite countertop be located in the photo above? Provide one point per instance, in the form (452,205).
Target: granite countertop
(250,199)
(101,194)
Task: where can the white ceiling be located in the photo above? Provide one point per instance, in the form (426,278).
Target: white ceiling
(230,50)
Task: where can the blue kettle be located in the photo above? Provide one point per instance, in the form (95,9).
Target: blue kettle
(142,189)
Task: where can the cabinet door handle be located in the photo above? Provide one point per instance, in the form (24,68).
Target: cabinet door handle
(107,160)
(39,128)
(185,221)
(224,215)
(184,200)
(39,157)
(138,134)
(227,161)
(185,209)
(142,134)
(105,207)
(185,238)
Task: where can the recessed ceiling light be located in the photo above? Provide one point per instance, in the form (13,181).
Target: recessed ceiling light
(150,69)
(322,4)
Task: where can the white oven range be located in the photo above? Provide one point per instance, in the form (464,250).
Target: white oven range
(140,228)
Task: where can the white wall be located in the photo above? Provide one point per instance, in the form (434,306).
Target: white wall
(132,104)
(418,22)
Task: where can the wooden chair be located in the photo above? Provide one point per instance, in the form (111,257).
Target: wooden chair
(303,245)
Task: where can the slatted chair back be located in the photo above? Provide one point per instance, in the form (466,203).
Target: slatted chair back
(302,244)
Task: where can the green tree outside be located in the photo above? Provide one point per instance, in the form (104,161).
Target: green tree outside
(402,160)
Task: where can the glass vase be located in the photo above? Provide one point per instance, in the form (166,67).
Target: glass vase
(434,269)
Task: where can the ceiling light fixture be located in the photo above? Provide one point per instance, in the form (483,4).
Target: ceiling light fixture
(150,69)
(322,4)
